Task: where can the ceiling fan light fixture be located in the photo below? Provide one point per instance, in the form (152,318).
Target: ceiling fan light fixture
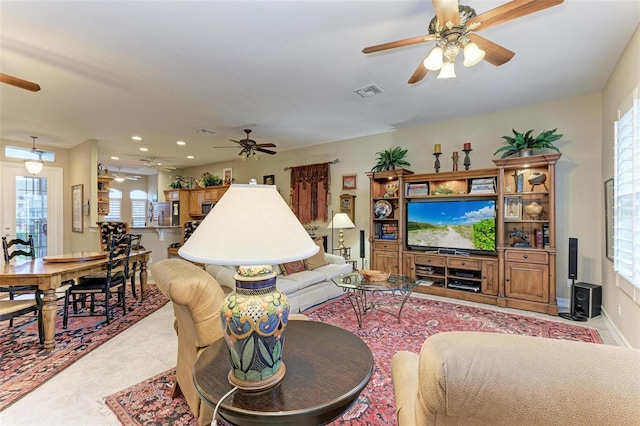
(34,166)
(433,62)
(119,179)
(472,54)
(447,71)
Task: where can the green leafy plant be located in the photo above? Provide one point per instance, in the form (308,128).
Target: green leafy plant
(389,159)
(176,184)
(210,180)
(520,141)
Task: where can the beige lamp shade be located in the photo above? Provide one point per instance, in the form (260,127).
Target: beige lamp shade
(341,221)
(250,225)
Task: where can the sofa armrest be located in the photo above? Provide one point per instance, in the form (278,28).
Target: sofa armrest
(223,274)
(335,259)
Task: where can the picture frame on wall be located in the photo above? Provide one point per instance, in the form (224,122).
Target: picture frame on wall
(227,176)
(512,208)
(349,181)
(77,218)
(269,180)
(608,217)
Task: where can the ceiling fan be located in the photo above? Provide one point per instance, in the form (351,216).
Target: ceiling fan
(249,146)
(453,29)
(121,177)
(18,82)
(154,164)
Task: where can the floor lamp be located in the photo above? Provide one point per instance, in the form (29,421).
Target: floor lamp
(341,221)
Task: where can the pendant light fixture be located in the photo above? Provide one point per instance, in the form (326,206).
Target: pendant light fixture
(34,166)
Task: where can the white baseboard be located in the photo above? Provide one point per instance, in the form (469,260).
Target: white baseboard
(615,332)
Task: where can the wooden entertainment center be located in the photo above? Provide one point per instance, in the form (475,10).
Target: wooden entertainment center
(519,272)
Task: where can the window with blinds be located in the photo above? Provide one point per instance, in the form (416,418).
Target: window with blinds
(115,206)
(626,235)
(138,207)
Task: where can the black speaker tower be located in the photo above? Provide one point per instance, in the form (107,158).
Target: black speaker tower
(362,248)
(573,275)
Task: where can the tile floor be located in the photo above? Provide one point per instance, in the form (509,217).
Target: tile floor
(75,396)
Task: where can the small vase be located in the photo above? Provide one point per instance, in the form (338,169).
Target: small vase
(534,209)
(528,152)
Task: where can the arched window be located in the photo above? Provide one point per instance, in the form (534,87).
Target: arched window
(115,206)
(138,207)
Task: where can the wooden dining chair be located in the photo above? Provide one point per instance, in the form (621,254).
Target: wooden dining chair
(114,281)
(12,249)
(12,308)
(120,228)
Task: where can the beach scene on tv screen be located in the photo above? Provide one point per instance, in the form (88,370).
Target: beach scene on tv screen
(460,224)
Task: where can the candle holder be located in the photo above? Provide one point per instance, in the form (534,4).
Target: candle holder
(467,160)
(437,163)
(455,157)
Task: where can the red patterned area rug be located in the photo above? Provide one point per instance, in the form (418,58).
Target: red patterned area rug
(150,403)
(25,365)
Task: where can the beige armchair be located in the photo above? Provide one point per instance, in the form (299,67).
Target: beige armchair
(197,299)
(496,379)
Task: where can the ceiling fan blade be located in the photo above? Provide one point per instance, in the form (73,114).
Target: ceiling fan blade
(265,145)
(266,151)
(418,74)
(399,43)
(18,82)
(447,10)
(494,53)
(509,11)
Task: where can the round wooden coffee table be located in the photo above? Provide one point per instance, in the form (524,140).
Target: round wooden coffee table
(327,368)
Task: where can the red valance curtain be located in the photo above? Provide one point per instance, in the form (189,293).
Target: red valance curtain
(310,192)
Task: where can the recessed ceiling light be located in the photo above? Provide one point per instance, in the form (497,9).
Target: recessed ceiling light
(115,158)
(190,157)
(181,143)
(144,149)
(136,138)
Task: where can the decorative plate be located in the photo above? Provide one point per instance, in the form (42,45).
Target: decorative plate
(382,209)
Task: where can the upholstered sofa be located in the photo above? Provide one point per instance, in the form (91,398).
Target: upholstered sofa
(475,378)
(305,285)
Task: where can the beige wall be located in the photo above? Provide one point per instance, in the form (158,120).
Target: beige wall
(625,77)
(579,179)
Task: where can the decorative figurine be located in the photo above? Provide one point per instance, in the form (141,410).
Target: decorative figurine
(467,149)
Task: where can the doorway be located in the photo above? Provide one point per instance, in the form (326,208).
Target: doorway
(32,205)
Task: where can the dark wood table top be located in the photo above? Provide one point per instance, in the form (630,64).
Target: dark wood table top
(327,368)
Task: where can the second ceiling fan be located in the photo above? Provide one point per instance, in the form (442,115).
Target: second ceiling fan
(452,28)
(250,147)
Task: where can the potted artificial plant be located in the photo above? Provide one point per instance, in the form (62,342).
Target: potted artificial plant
(390,159)
(524,144)
(210,180)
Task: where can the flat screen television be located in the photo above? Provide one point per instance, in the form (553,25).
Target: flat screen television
(466,225)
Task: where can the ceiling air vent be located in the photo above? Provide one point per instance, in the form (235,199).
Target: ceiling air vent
(367,92)
(206,131)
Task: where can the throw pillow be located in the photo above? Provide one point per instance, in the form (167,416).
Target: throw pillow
(318,259)
(292,267)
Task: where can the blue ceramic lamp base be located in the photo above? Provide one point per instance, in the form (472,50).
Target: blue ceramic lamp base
(254,318)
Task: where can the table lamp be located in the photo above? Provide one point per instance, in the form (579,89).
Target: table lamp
(253,228)
(341,221)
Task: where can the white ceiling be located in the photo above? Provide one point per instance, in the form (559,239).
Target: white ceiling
(285,69)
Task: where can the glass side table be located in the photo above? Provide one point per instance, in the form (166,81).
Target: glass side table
(357,290)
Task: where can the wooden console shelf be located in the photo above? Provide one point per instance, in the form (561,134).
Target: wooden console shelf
(517,271)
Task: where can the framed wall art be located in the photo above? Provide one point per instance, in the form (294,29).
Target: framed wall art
(227,176)
(349,181)
(512,207)
(77,218)
(269,180)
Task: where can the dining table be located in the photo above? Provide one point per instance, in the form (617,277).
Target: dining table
(49,272)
